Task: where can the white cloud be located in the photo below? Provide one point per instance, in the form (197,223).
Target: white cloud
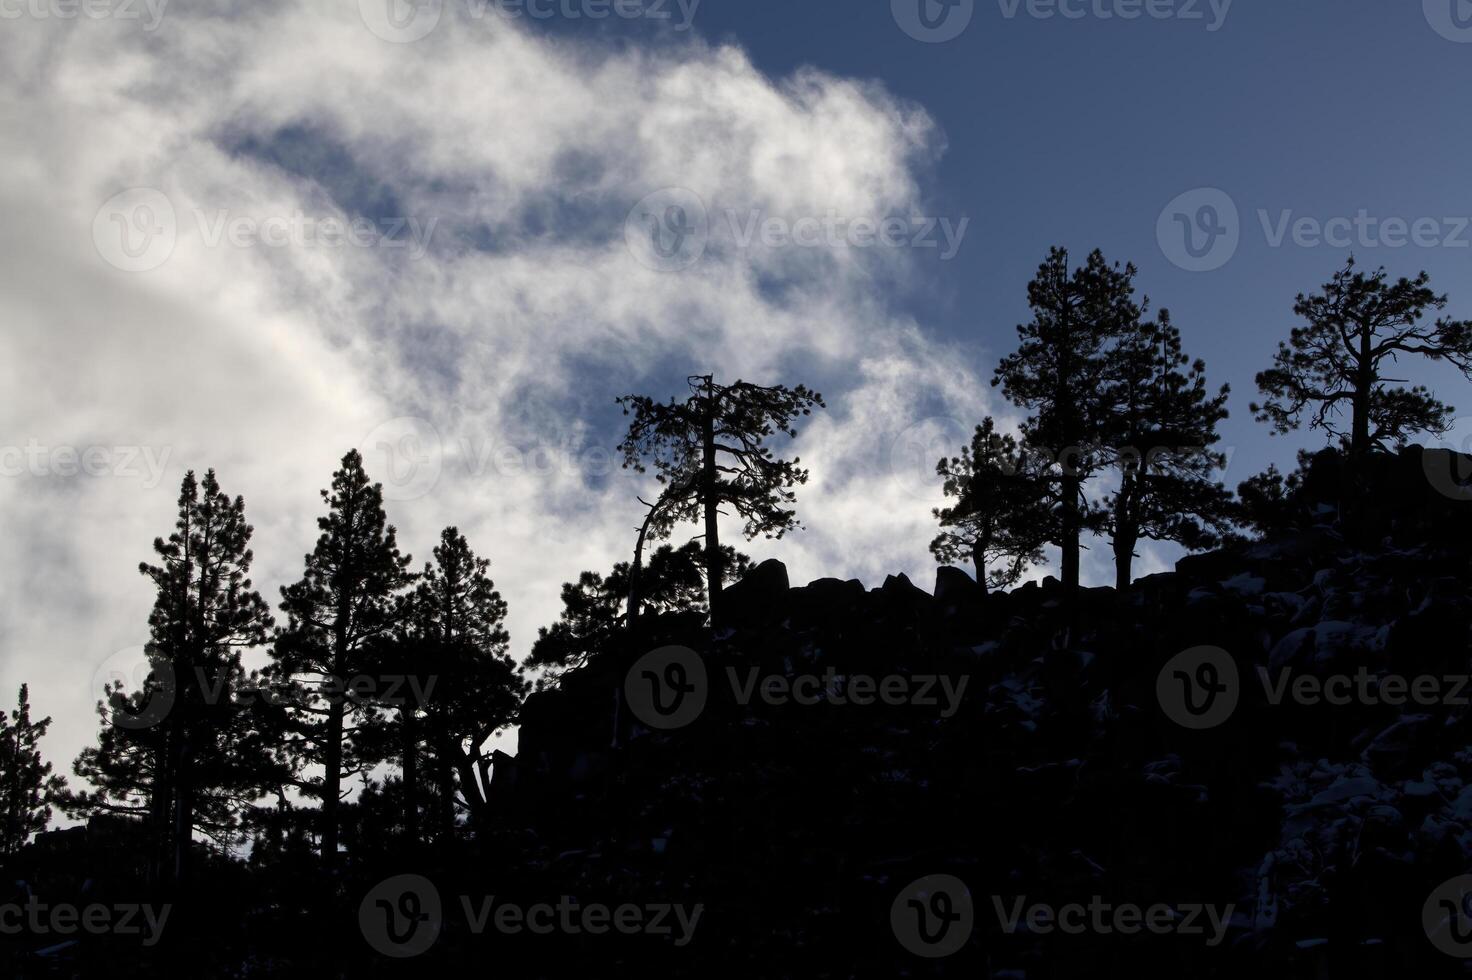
(526,315)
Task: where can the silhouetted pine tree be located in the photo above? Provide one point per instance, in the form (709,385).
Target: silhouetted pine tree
(478,688)
(711,449)
(1160,428)
(190,750)
(26,783)
(1001,511)
(1271,502)
(595,607)
(1059,372)
(1355,328)
(348,597)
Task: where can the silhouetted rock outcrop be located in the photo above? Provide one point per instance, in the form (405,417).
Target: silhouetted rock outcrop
(1058,772)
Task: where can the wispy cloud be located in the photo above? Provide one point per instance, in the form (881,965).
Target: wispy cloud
(342,232)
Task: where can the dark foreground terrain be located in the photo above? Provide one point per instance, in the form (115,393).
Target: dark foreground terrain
(1257,764)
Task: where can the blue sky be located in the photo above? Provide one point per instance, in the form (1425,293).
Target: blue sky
(1079,132)
(250,237)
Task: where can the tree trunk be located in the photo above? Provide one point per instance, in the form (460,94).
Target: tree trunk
(1126,536)
(161,805)
(447,797)
(1359,444)
(183,814)
(1124,554)
(978,559)
(470,788)
(1071,531)
(411,774)
(332,781)
(636,570)
(709,493)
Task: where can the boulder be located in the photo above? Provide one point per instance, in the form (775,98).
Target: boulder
(759,598)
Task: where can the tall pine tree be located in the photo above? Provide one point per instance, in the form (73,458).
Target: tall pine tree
(1000,519)
(27,786)
(189,751)
(1161,427)
(710,449)
(1058,374)
(460,626)
(350,596)
(1352,332)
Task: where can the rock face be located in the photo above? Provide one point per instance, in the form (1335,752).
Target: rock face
(1031,760)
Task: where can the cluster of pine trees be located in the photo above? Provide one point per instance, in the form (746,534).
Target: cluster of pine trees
(397,679)
(1116,403)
